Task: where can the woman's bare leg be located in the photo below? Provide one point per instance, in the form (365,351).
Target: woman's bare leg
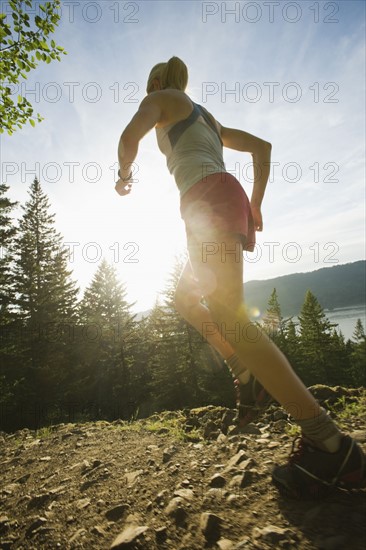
(221,279)
(188,304)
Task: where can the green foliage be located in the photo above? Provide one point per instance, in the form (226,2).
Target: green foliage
(43,304)
(9,376)
(346,409)
(173,352)
(107,364)
(273,323)
(314,341)
(7,234)
(358,355)
(316,350)
(23,42)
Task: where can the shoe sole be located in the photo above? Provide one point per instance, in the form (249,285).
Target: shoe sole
(317,490)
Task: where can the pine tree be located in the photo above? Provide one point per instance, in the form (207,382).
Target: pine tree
(9,372)
(109,339)
(273,322)
(358,355)
(175,352)
(291,345)
(315,342)
(7,233)
(339,361)
(46,299)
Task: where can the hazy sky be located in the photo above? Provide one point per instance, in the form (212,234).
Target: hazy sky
(290,72)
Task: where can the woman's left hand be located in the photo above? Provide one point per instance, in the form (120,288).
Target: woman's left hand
(257,218)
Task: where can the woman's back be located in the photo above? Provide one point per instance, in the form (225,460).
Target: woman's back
(192,145)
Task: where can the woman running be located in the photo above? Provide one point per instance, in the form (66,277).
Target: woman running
(220,223)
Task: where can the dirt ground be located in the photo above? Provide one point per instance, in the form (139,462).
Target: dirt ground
(145,485)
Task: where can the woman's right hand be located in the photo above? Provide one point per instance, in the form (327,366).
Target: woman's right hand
(123,187)
(257,217)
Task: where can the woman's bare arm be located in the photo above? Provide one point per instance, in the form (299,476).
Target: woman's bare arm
(148,115)
(261,153)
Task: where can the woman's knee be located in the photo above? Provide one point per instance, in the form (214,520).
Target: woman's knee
(185,300)
(231,318)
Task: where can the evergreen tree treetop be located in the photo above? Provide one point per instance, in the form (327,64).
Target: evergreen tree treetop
(41,274)
(359,332)
(313,321)
(105,298)
(7,234)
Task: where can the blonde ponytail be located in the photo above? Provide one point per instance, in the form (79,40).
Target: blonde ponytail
(173,74)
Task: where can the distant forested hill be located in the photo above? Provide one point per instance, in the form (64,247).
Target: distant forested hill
(334,287)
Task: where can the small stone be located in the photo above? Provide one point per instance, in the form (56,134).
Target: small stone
(185,483)
(227,420)
(10,488)
(176,510)
(273,444)
(152,448)
(240,456)
(77,534)
(3,519)
(232,431)
(210,526)
(160,497)
(38,500)
(82,503)
(250,429)
(187,494)
(232,499)
(22,479)
(279,415)
(211,430)
(243,544)
(271,534)
(117,512)
(168,454)
(36,524)
(98,530)
(225,544)
(128,538)
(240,480)
(161,533)
(217,481)
(70,519)
(131,477)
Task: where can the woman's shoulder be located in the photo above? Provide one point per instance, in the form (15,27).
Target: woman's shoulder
(175,104)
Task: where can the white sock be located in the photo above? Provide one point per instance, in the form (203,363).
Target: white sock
(237,369)
(321,431)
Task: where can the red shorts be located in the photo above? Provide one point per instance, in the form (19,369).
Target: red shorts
(218,202)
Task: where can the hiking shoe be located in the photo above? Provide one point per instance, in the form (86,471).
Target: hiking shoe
(313,473)
(251,400)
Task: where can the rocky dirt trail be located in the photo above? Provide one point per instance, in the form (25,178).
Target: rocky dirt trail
(139,486)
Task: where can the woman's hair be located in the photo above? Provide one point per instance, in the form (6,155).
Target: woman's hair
(173,74)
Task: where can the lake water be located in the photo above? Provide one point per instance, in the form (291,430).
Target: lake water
(346,318)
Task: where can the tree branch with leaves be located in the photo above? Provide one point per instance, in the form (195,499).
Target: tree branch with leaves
(23,42)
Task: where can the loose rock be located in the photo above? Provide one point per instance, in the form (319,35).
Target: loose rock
(128,537)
